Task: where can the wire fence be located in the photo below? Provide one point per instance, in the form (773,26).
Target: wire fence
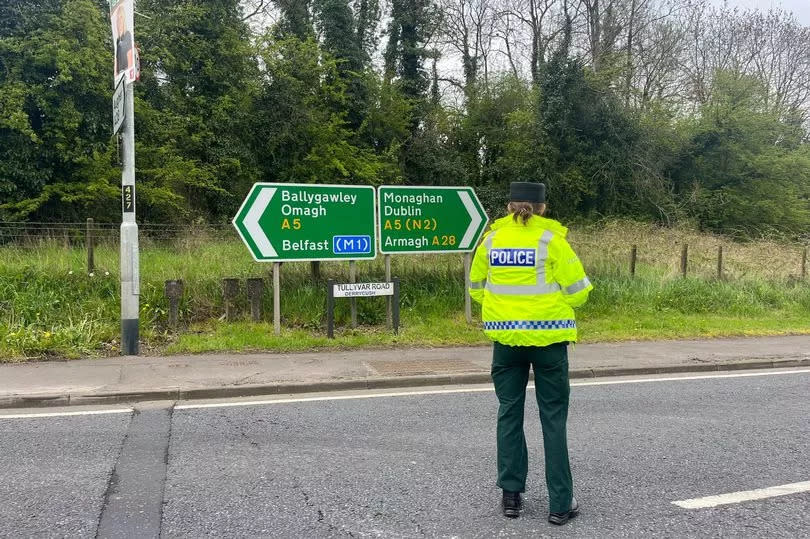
(614,249)
(33,234)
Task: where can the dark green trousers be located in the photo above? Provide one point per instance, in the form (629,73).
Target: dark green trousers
(510,373)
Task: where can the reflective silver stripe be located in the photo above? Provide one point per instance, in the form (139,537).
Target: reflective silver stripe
(542,256)
(578,286)
(488,242)
(477,285)
(523,289)
(488,247)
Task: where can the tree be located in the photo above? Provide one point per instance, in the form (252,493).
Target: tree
(367,17)
(300,135)
(591,141)
(340,39)
(745,170)
(410,29)
(55,87)
(295,19)
(195,107)
(468,28)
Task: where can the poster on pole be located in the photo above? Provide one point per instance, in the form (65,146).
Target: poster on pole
(122,17)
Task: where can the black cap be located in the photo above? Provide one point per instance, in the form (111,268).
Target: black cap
(527,192)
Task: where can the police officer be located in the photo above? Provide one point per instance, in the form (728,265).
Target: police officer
(528,281)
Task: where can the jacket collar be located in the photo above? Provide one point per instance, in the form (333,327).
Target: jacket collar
(534,221)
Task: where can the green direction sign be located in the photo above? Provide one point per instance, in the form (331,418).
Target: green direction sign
(429,219)
(296,222)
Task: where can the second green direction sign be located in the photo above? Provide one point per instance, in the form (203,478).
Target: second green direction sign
(429,219)
(295,222)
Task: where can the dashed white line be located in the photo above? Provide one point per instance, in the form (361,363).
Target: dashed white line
(744,496)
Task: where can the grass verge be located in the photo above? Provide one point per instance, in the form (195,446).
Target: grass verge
(51,308)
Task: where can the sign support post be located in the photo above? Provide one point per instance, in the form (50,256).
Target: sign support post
(396,306)
(353,301)
(467,298)
(330,309)
(277,297)
(388,320)
(130,256)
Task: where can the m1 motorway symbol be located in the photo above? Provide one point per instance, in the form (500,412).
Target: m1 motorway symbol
(287,222)
(352,244)
(429,219)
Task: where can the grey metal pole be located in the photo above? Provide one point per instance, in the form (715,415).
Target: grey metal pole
(353,301)
(388,314)
(467,298)
(277,297)
(396,306)
(130,256)
(330,309)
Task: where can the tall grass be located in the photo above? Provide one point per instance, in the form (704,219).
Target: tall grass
(50,306)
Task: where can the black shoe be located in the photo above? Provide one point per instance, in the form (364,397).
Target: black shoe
(512,504)
(559,519)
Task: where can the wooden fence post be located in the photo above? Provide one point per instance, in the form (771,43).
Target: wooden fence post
(684,259)
(633,258)
(315,269)
(720,262)
(255,292)
(91,261)
(230,289)
(804,263)
(174,291)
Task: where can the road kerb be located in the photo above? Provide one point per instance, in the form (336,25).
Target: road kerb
(392,382)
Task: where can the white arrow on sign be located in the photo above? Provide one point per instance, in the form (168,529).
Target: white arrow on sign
(255,231)
(475,219)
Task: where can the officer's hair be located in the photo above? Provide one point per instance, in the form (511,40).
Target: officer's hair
(524,210)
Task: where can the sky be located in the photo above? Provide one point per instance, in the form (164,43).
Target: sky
(800,8)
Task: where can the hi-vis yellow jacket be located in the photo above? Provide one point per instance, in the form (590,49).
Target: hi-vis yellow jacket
(528,280)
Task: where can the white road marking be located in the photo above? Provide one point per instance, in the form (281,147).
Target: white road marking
(468,390)
(336,398)
(487,389)
(696,377)
(744,496)
(68,414)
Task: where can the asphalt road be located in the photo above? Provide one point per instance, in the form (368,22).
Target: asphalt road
(413,465)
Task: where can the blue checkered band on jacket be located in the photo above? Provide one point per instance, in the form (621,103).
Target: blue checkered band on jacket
(531,324)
